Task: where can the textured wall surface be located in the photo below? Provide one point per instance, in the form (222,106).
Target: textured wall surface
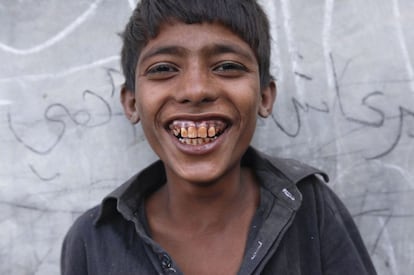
(345,104)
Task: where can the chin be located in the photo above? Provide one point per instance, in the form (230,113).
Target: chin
(199,175)
(202,174)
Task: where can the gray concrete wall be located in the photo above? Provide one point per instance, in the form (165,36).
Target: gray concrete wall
(345,104)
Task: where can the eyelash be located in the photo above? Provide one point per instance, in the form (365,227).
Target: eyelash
(233,67)
(157,69)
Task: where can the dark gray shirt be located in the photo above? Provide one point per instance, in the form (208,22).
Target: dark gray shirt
(300,227)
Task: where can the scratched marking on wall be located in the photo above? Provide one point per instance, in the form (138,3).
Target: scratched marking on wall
(345,102)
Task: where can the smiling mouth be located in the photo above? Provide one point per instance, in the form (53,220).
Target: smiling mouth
(197,133)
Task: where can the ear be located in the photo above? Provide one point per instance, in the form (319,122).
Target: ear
(268,97)
(128,102)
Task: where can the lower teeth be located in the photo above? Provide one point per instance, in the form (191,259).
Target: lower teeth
(197,141)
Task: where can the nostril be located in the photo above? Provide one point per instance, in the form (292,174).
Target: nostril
(185,101)
(206,100)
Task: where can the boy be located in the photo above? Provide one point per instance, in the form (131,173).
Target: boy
(197,75)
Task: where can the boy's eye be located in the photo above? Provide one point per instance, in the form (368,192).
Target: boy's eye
(230,68)
(161,71)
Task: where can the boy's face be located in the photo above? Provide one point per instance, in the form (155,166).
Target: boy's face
(197,96)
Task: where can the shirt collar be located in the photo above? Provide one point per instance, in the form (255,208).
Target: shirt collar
(277,175)
(127,198)
(280,176)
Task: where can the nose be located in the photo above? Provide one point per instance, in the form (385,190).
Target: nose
(197,86)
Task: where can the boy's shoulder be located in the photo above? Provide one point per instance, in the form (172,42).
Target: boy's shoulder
(84,224)
(295,170)
(292,170)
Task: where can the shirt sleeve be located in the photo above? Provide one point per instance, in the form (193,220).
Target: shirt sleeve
(342,248)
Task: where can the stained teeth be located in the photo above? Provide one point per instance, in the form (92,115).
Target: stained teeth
(196,141)
(184,133)
(211,132)
(202,132)
(197,133)
(192,132)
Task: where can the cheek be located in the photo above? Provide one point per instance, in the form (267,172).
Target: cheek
(146,103)
(247,98)
(150,104)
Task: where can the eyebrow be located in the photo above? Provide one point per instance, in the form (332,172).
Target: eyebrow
(217,49)
(169,50)
(211,50)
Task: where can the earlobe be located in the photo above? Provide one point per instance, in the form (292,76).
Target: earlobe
(263,112)
(268,97)
(128,103)
(134,119)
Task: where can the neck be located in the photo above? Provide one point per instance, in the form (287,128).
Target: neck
(208,205)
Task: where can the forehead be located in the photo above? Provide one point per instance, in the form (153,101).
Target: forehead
(195,38)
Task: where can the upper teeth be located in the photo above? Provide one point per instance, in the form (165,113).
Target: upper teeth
(186,129)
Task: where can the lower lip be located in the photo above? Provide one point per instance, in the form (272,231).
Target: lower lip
(199,149)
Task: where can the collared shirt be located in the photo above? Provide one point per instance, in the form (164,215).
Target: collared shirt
(300,227)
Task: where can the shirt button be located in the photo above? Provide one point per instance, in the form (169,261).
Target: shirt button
(166,261)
